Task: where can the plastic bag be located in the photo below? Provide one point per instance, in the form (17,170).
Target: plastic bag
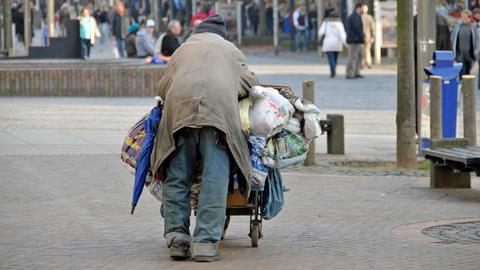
(256,146)
(270,111)
(132,144)
(311,127)
(272,195)
(244,106)
(293,125)
(285,149)
(311,115)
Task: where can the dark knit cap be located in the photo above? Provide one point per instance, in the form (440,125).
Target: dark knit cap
(213,24)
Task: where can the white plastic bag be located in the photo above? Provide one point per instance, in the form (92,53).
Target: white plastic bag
(293,125)
(311,115)
(270,112)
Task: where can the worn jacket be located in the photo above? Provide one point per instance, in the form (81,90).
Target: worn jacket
(355,33)
(201,86)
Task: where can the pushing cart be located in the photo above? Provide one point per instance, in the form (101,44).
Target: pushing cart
(237,205)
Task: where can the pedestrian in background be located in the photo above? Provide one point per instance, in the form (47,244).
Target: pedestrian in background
(168,43)
(64,16)
(465,43)
(88,32)
(120,26)
(369,32)
(130,41)
(102,21)
(253,17)
(300,22)
(334,37)
(355,41)
(145,42)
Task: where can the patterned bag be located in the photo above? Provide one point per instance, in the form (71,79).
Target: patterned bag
(132,145)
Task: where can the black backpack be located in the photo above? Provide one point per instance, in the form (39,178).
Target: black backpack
(301,19)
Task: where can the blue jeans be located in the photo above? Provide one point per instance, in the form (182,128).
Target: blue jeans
(332,61)
(206,146)
(120,46)
(85,44)
(298,37)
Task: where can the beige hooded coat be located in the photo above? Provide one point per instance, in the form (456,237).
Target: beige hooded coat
(201,86)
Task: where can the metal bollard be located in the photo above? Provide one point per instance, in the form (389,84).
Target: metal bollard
(308,95)
(469,109)
(336,135)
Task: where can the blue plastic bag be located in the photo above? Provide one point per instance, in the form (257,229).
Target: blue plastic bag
(272,195)
(256,146)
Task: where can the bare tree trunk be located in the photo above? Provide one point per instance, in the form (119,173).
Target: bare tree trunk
(406,149)
(7,27)
(262,24)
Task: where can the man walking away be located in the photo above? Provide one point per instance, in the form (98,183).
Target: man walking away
(300,21)
(120,25)
(369,32)
(200,125)
(355,41)
(464,40)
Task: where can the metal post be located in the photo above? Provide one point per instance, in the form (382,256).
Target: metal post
(426,34)
(435,108)
(469,109)
(239,23)
(51,18)
(7,27)
(378,33)
(275,26)
(308,95)
(27,18)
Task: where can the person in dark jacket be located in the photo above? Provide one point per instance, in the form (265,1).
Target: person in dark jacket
(170,41)
(120,28)
(355,41)
(464,41)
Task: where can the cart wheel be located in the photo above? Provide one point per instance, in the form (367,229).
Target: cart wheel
(255,234)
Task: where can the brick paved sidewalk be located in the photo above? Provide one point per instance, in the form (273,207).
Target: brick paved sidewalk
(72,212)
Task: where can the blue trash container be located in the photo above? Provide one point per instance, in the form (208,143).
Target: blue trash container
(444,66)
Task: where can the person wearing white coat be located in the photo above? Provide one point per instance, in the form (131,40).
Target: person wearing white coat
(334,38)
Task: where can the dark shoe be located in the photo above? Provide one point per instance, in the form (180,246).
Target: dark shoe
(350,78)
(180,250)
(359,77)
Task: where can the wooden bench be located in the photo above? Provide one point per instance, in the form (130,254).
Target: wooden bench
(453,160)
(452,163)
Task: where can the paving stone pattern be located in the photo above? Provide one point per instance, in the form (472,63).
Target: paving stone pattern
(72,212)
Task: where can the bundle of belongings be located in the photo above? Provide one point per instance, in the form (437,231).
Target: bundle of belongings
(278,127)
